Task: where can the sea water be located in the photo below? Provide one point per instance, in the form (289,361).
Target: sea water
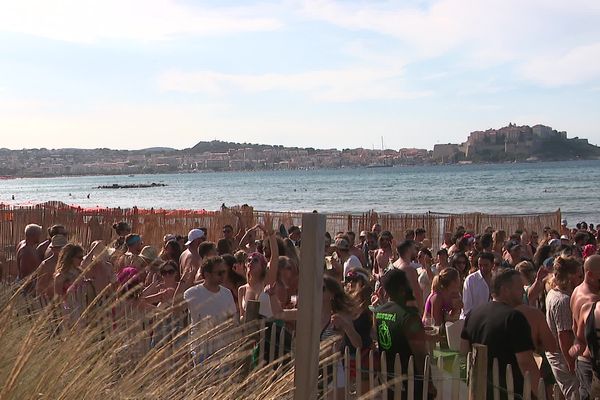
(494,188)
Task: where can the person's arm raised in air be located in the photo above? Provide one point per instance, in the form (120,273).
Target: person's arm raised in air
(241,226)
(244,239)
(274,259)
(534,291)
(186,282)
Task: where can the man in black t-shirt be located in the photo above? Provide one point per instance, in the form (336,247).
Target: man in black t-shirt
(400,331)
(505,332)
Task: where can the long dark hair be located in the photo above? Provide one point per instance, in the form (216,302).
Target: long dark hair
(541,254)
(233,276)
(175,251)
(340,300)
(454,261)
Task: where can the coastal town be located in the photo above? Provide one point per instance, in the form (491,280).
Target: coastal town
(508,144)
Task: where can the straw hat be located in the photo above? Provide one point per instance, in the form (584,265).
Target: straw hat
(149,254)
(58,241)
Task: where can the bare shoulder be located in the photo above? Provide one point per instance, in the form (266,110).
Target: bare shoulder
(409,270)
(531,313)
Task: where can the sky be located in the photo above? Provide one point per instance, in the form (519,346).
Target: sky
(133,74)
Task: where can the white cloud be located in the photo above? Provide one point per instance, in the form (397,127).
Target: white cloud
(86,21)
(338,85)
(579,65)
(479,34)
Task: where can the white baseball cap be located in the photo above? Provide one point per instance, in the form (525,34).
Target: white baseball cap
(194,234)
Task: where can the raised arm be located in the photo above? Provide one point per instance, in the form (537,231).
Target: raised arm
(244,239)
(241,227)
(534,291)
(184,284)
(274,259)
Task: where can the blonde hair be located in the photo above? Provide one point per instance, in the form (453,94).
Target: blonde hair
(66,256)
(442,280)
(498,238)
(527,269)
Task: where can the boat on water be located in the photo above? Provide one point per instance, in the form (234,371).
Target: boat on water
(379,165)
(136,186)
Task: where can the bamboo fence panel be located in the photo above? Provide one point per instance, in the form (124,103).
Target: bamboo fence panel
(87,225)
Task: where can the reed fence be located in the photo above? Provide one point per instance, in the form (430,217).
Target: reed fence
(86,225)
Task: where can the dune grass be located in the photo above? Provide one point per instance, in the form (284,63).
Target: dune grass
(45,356)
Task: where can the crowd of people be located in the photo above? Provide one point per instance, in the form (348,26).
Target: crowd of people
(529,297)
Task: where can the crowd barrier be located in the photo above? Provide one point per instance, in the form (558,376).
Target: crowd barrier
(88,224)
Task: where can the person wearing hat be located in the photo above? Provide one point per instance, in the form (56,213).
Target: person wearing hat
(134,245)
(190,259)
(43,248)
(44,285)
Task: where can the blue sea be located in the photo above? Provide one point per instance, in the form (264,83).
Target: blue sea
(498,188)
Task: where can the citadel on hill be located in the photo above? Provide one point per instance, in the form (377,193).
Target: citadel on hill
(515,143)
(507,144)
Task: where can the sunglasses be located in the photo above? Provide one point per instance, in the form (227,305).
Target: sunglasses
(220,273)
(168,272)
(227,231)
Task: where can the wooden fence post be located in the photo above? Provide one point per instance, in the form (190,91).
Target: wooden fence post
(478,373)
(310,294)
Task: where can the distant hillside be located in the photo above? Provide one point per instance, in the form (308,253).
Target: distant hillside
(556,148)
(217,146)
